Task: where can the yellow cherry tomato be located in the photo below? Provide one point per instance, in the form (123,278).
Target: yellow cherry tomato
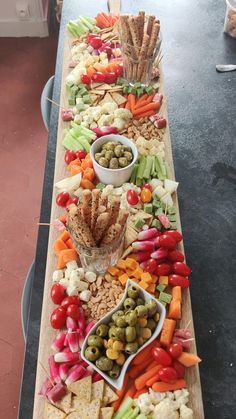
(146,195)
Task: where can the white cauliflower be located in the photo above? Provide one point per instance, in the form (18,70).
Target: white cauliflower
(145,404)
(155,396)
(109,107)
(105,120)
(123,113)
(93,125)
(181,396)
(57,275)
(78,118)
(119,123)
(166,409)
(67,273)
(185,412)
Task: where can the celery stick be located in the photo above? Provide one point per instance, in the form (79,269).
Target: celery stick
(71,143)
(86,22)
(90,135)
(127,414)
(162,167)
(141,416)
(158,169)
(134,174)
(148,167)
(141,168)
(126,405)
(133,413)
(83,140)
(153,171)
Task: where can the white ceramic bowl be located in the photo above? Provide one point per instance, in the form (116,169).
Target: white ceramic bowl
(118,382)
(115,177)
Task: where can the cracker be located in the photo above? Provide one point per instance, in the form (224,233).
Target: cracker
(86,410)
(106,413)
(52,412)
(98,390)
(65,403)
(82,388)
(110,394)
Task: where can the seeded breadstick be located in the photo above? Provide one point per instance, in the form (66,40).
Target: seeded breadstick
(135,35)
(114,211)
(125,31)
(94,209)
(85,231)
(112,234)
(101,209)
(73,224)
(101,226)
(123,215)
(153,38)
(143,56)
(141,21)
(103,200)
(86,207)
(151,20)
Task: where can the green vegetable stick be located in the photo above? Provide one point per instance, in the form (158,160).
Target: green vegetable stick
(82,140)
(148,167)
(133,413)
(134,174)
(141,168)
(126,405)
(141,416)
(158,170)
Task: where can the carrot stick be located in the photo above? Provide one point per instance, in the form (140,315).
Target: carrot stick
(131,99)
(120,393)
(135,370)
(131,391)
(153,380)
(145,353)
(144,102)
(150,366)
(161,386)
(138,393)
(143,115)
(141,99)
(127,105)
(149,107)
(140,382)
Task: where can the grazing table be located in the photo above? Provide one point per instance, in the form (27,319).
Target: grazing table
(201,112)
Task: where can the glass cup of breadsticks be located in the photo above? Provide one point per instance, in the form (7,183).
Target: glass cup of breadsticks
(97,228)
(141,41)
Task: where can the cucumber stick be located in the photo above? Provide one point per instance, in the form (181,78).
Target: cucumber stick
(126,405)
(141,168)
(148,167)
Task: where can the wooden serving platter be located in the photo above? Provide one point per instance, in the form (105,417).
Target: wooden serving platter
(47,334)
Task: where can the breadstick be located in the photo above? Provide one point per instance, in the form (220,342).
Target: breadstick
(101,209)
(86,206)
(101,226)
(73,225)
(112,234)
(153,39)
(123,216)
(94,209)
(114,211)
(85,230)
(151,20)
(143,56)
(135,36)
(103,200)
(141,21)
(124,29)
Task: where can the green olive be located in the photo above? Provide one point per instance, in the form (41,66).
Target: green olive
(141,311)
(102,330)
(117,313)
(130,334)
(123,162)
(140,301)
(120,321)
(129,303)
(92,353)
(103,162)
(114,163)
(128,155)
(138,329)
(117,333)
(114,372)
(104,363)
(109,154)
(151,324)
(131,318)
(94,340)
(97,156)
(103,153)
(111,324)
(127,148)
(133,292)
(131,348)
(152,307)
(118,151)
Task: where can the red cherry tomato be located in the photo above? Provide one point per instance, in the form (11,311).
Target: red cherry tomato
(149,265)
(163,269)
(110,78)
(107,49)
(176,256)
(91,36)
(85,79)
(179,368)
(119,70)
(73,299)
(175,350)
(62,199)
(73,311)
(81,154)
(147,186)
(168,375)
(181,268)
(175,280)
(146,195)
(70,201)
(58,318)
(98,77)
(176,235)
(132,197)
(167,242)
(70,155)
(95,42)
(161,357)
(57,293)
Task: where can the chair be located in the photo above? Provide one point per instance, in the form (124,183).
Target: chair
(45,104)
(25,299)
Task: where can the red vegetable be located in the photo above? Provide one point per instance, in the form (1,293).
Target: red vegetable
(149,265)
(70,201)
(110,78)
(175,280)
(175,350)
(81,154)
(85,79)
(67,115)
(119,70)
(95,42)
(168,375)
(163,269)
(105,131)
(181,268)
(98,77)
(179,368)
(58,318)
(167,242)
(57,293)
(176,256)
(147,186)
(73,311)
(176,235)
(62,199)
(161,357)
(160,123)
(132,197)
(91,36)
(70,155)
(73,299)
(107,49)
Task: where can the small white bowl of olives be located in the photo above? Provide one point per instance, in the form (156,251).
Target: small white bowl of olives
(113,159)
(133,324)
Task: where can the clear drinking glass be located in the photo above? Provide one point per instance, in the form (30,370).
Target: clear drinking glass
(137,69)
(230,18)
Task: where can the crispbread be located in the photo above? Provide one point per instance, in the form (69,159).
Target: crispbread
(82,388)
(52,412)
(98,390)
(119,99)
(65,403)
(86,410)
(106,413)
(110,394)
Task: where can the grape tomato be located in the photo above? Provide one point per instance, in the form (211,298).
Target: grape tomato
(132,197)
(58,318)
(179,368)
(57,293)
(70,155)
(163,269)
(110,78)
(73,311)
(176,256)
(168,375)
(62,199)
(146,195)
(81,154)
(95,42)
(181,268)
(98,77)
(167,242)
(176,235)
(161,357)
(175,350)
(73,299)
(175,280)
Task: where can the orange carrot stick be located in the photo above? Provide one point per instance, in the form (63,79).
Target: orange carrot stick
(131,99)
(161,386)
(120,393)
(153,380)
(150,107)
(150,366)
(131,391)
(140,382)
(144,102)
(138,393)
(141,99)
(145,353)
(145,114)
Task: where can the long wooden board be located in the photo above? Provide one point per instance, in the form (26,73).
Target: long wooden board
(47,334)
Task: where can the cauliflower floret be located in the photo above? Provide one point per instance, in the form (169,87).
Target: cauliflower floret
(170,395)
(90,276)
(82,46)
(109,107)
(108,190)
(88,117)
(181,396)
(89,48)
(64,282)
(123,113)
(67,273)
(78,118)
(166,409)
(97,112)
(57,275)
(93,125)
(155,396)
(85,124)
(105,120)
(119,123)
(145,404)
(185,412)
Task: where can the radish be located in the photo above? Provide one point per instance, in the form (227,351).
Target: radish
(58,343)
(143,245)
(56,393)
(73,341)
(148,234)
(159,254)
(89,327)
(63,371)
(141,256)
(164,220)
(105,131)
(54,369)
(71,324)
(96,377)
(46,387)
(67,357)
(75,373)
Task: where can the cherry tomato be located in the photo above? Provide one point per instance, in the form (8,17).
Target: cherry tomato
(179,368)
(91,36)
(149,265)
(72,299)
(181,268)
(119,70)
(58,318)
(62,199)
(73,311)
(110,78)
(175,280)
(168,375)
(85,79)
(176,256)
(57,293)
(163,269)
(95,42)
(81,154)
(132,197)
(146,195)
(175,350)
(70,155)
(176,235)
(167,242)
(147,186)
(107,49)
(98,77)
(70,201)
(161,357)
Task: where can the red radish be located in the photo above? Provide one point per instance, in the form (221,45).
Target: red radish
(108,50)
(105,131)
(176,256)
(75,374)
(159,254)
(81,341)
(62,199)
(81,154)
(142,256)
(148,234)
(96,377)
(82,322)
(63,371)
(157,98)
(160,123)
(89,327)
(58,343)
(95,42)
(73,341)
(67,115)
(54,369)
(56,393)
(46,387)
(67,357)
(164,220)
(71,324)
(143,245)
(149,265)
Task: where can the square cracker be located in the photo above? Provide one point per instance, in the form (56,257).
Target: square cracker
(110,394)
(98,390)
(52,412)
(106,413)
(82,388)
(65,403)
